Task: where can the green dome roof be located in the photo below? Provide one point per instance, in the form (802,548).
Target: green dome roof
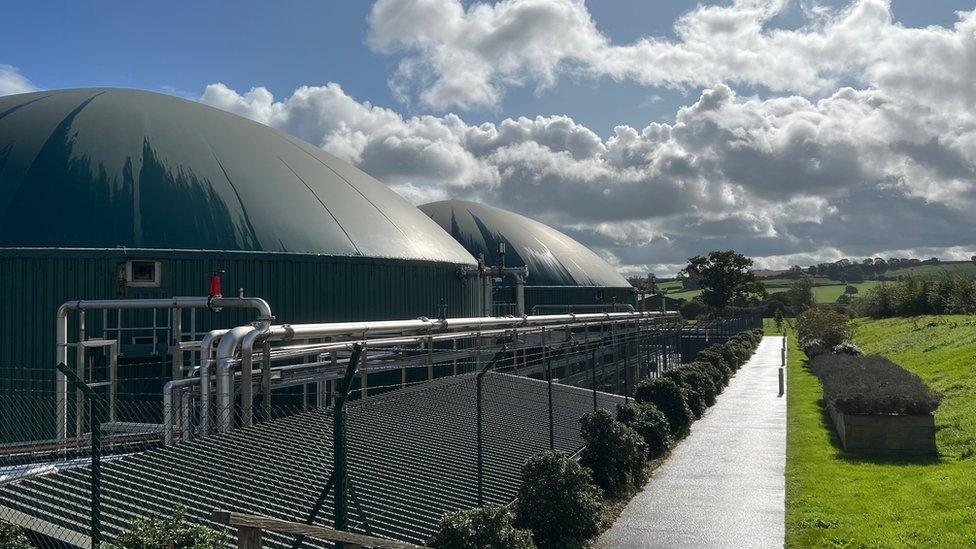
(553,258)
(107,168)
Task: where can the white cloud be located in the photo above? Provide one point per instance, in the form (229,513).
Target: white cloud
(774,178)
(11,81)
(863,142)
(456,56)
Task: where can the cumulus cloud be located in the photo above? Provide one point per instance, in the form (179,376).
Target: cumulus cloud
(11,81)
(457,56)
(773,177)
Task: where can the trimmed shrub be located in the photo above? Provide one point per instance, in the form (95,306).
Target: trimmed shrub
(730,356)
(668,397)
(701,375)
(714,374)
(698,387)
(718,363)
(13,537)
(557,501)
(827,325)
(650,423)
(813,348)
(742,350)
(172,532)
(848,348)
(489,527)
(872,385)
(614,452)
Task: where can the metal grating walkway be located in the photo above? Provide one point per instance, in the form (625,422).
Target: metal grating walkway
(412,457)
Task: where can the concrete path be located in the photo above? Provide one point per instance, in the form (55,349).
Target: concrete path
(724,485)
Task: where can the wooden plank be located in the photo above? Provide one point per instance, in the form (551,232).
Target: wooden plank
(248,538)
(319,532)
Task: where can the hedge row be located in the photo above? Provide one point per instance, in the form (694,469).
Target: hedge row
(558,506)
(872,385)
(559,499)
(683,394)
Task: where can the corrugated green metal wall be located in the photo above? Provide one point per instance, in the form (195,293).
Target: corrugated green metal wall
(300,288)
(566,295)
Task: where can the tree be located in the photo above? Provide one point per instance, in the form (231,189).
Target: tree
(801,293)
(854,274)
(725,278)
(778,320)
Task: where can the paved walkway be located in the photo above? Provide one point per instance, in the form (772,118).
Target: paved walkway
(724,485)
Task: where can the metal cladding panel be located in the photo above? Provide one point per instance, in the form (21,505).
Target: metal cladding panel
(106,168)
(553,258)
(567,295)
(300,289)
(412,457)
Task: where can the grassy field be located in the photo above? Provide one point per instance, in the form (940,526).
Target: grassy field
(670,286)
(838,500)
(960,267)
(821,294)
(830,293)
(827,290)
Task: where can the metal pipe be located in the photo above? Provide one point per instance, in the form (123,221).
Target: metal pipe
(261,329)
(61,346)
(519,294)
(443,329)
(206,363)
(226,351)
(171,387)
(358,332)
(486,299)
(61,383)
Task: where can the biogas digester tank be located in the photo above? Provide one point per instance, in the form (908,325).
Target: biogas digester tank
(110,192)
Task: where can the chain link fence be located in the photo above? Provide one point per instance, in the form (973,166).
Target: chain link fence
(380,439)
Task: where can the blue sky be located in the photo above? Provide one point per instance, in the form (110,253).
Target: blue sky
(180,47)
(796,131)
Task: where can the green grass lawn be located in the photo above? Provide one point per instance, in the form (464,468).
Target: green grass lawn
(838,500)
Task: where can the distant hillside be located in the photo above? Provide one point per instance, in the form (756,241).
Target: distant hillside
(827,290)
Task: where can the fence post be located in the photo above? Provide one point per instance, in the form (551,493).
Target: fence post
(548,360)
(593,371)
(478,418)
(95,415)
(339,443)
(626,372)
